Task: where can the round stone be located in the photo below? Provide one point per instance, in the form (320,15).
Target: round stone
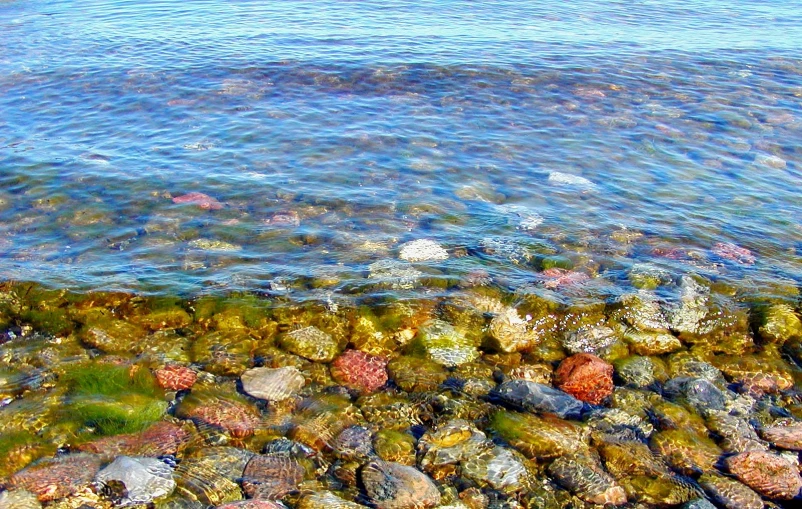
(136,480)
(273,384)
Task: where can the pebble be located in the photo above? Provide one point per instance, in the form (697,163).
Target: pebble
(203,201)
(769,474)
(566,179)
(730,493)
(538,398)
(499,468)
(311,343)
(142,480)
(735,253)
(589,339)
(587,480)
(422,250)
(19,499)
(360,371)
(586,377)
(252,504)
(396,486)
(55,478)
(271,476)
(161,439)
(273,384)
(176,378)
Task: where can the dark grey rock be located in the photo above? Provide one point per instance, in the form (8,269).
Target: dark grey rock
(537,398)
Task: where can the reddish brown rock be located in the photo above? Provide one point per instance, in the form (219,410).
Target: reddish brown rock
(203,201)
(784,437)
(734,253)
(359,370)
(555,277)
(585,377)
(176,378)
(758,385)
(767,473)
(160,439)
(271,476)
(55,478)
(237,419)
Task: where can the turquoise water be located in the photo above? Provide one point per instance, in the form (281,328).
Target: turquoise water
(604,137)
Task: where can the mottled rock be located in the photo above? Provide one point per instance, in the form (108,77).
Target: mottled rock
(19,499)
(201,200)
(500,468)
(422,250)
(353,443)
(395,446)
(311,343)
(415,374)
(685,451)
(539,437)
(236,418)
(176,378)
(253,503)
(643,312)
(638,371)
(538,398)
(586,377)
(652,343)
(769,474)
(54,478)
(273,384)
(445,344)
(686,316)
(160,439)
(271,476)
(453,442)
(730,493)
(135,481)
(396,486)
(732,252)
(360,371)
(784,437)
(698,393)
(587,480)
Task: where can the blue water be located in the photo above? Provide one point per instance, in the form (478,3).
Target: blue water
(608,136)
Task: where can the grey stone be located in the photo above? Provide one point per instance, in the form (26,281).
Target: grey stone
(144,479)
(535,397)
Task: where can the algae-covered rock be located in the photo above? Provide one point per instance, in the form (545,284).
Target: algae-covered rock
(395,446)
(444,344)
(730,493)
(415,374)
(113,336)
(652,343)
(227,354)
(642,311)
(685,451)
(639,371)
(311,343)
(779,323)
(647,277)
(662,490)
(538,437)
(322,418)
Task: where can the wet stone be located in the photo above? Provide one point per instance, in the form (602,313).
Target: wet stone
(228,462)
(730,493)
(586,377)
(198,480)
(132,481)
(175,378)
(511,333)
(537,398)
(162,438)
(360,371)
(453,442)
(325,500)
(769,474)
(700,394)
(589,339)
(272,384)
(416,375)
(271,476)
(396,486)
(445,344)
(502,469)
(536,437)
(685,451)
(779,324)
(51,479)
(311,343)
(586,479)
(19,499)
(638,371)
(252,504)
(652,343)
(395,446)
(784,437)
(422,250)
(354,442)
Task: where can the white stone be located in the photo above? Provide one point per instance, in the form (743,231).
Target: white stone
(422,250)
(273,384)
(145,479)
(567,179)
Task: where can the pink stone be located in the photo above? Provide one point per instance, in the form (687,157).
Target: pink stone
(203,201)
(556,277)
(734,253)
(176,378)
(361,371)
(585,377)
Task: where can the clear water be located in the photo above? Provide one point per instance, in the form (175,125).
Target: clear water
(334,131)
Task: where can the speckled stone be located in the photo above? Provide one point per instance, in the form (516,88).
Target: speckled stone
(769,474)
(586,377)
(54,478)
(360,371)
(784,437)
(162,438)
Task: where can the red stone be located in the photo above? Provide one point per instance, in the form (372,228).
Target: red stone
(769,474)
(734,253)
(176,378)
(56,478)
(203,201)
(160,439)
(556,277)
(361,371)
(585,377)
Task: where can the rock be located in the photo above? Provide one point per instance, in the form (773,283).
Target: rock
(538,398)
(591,339)
(422,250)
(353,443)
(160,439)
(699,503)
(538,373)
(637,371)
(769,474)
(228,462)
(566,179)
(135,481)
(652,343)
(273,384)
(587,480)
(213,245)
(55,478)
(631,458)
(199,480)
(19,499)
(645,276)
(499,468)
(395,446)
(685,451)
(702,395)
(642,311)
(398,275)
(271,476)
(556,278)
(687,315)
(203,201)
(737,435)
(456,441)
(360,371)
(325,500)
(661,491)
(252,504)
(770,161)
(113,336)
(444,344)
(543,437)
(311,343)
(730,493)
(175,378)
(731,252)
(413,374)
(396,486)
(586,377)
(511,333)
(784,437)
(779,323)
(237,418)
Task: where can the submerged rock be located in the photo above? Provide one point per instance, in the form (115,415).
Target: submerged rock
(499,468)
(538,398)
(396,486)
(422,250)
(271,476)
(272,384)
(730,493)
(55,478)
(769,474)
(203,201)
(360,371)
(135,481)
(586,377)
(311,343)
(175,378)
(445,344)
(587,480)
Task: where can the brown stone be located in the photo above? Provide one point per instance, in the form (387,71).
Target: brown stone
(586,377)
(767,473)
(784,437)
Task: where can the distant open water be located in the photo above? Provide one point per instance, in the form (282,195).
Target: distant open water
(596,135)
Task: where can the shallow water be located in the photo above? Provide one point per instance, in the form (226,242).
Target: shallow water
(381,123)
